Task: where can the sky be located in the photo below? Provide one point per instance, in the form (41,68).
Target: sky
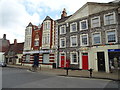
(15,15)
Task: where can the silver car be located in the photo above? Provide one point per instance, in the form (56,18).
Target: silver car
(3,64)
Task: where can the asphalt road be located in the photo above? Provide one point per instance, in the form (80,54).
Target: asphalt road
(22,78)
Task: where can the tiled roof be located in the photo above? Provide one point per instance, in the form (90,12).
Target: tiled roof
(16,48)
(63,19)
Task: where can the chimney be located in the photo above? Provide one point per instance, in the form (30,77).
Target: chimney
(64,14)
(4,36)
(15,41)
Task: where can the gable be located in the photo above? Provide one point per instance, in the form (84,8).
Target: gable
(90,8)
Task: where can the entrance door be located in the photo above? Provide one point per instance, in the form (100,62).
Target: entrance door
(85,61)
(62,60)
(101,61)
(36,59)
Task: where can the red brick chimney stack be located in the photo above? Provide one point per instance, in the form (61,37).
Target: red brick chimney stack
(15,41)
(64,13)
(4,36)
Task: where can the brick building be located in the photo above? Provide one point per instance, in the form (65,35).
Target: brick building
(39,47)
(90,38)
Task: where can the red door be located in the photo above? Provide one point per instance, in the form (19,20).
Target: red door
(85,61)
(62,61)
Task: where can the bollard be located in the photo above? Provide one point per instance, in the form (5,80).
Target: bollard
(66,71)
(91,71)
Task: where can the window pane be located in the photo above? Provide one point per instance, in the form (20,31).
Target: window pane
(62,42)
(74,58)
(73,27)
(73,41)
(109,19)
(111,36)
(95,22)
(83,25)
(96,38)
(84,40)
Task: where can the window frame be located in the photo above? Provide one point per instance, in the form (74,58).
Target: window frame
(99,23)
(93,38)
(115,36)
(71,26)
(113,18)
(86,24)
(47,25)
(81,40)
(71,61)
(71,41)
(65,42)
(61,29)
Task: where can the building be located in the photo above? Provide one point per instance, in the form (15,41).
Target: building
(39,47)
(15,53)
(4,46)
(90,38)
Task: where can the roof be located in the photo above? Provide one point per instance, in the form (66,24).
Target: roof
(63,19)
(47,18)
(16,48)
(30,24)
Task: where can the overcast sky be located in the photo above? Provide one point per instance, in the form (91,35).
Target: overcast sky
(16,14)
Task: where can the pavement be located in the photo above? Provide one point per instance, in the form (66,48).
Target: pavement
(75,73)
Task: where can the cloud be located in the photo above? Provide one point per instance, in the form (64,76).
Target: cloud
(16,14)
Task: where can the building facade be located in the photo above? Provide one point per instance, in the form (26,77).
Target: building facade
(39,47)
(4,47)
(15,53)
(90,38)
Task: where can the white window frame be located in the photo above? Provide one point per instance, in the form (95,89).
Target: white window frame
(71,26)
(86,24)
(36,40)
(71,61)
(47,25)
(93,38)
(115,36)
(65,42)
(92,26)
(27,59)
(109,14)
(71,41)
(61,29)
(60,58)
(81,40)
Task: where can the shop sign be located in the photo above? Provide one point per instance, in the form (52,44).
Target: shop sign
(113,50)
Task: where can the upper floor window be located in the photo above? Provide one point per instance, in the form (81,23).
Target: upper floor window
(46,39)
(111,36)
(96,38)
(62,42)
(63,29)
(73,27)
(36,41)
(74,58)
(83,25)
(46,25)
(109,19)
(95,22)
(73,41)
(84,40)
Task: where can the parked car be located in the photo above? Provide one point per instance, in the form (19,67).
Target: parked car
(3,64)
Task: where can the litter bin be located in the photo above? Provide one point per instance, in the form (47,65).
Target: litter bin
(54,65)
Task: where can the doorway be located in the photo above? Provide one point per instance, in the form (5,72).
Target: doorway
(101,61)
(85,61)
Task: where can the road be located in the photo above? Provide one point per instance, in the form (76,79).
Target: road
(22,78)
